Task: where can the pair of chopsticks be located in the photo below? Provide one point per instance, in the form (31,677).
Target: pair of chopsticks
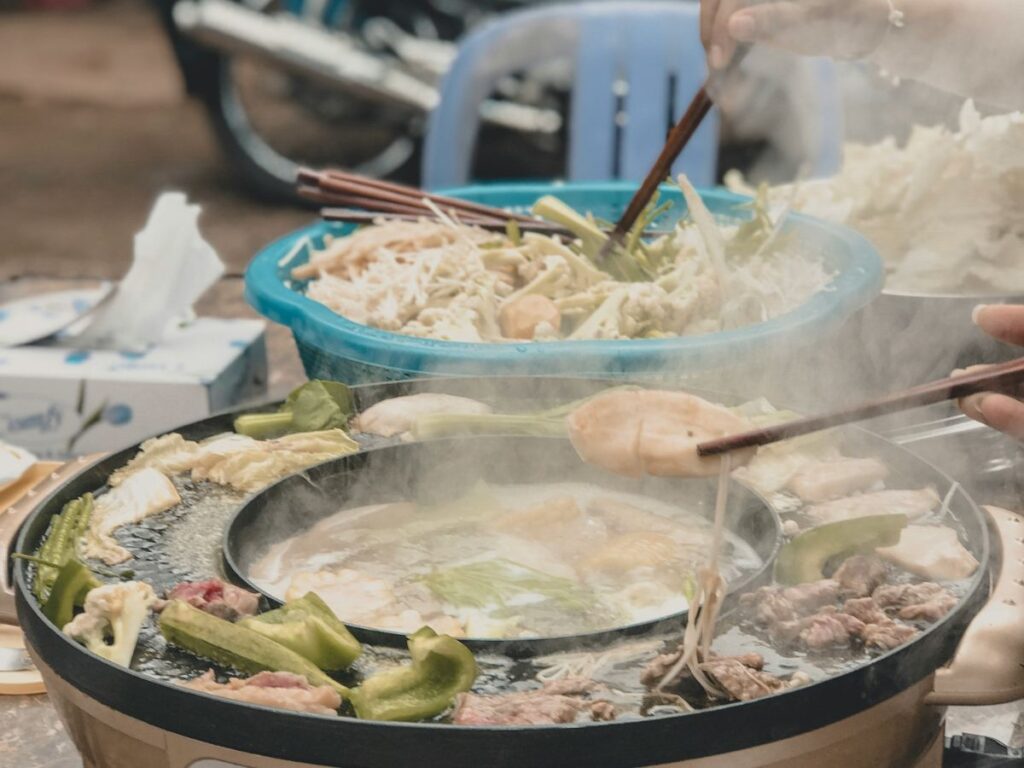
(355,199)
(1006,378)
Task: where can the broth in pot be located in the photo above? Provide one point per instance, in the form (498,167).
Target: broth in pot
(503,561)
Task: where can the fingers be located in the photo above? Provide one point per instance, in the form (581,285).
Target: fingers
(721,44)
(708,12)
(1000,412)
(786,25)
(1002,321)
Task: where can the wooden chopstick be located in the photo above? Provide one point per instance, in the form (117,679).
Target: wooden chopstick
(340,192)
(678,138)
(353,184)
(1003,377)
(676,142)
(350,216)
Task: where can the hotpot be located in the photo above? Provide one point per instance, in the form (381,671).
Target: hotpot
(887,712)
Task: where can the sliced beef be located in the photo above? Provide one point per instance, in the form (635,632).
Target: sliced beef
(930,610)
(859,575)
(558,702)
(768,606)
(223,600)
(281,690)
(808,597)
(926,601)
(743,682)
(829,628)
(657,668)
(865,609)
(886,634)
(771,605)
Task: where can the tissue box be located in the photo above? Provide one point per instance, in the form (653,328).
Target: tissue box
(60,402)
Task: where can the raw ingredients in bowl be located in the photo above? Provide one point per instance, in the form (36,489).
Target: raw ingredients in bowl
(946,211)
(546,560)
(441,279)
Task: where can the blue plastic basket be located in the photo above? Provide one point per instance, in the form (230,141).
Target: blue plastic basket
(336,348)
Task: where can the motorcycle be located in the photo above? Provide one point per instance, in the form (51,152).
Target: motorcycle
(348,83)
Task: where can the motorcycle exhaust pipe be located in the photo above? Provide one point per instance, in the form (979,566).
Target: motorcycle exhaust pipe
(286,42)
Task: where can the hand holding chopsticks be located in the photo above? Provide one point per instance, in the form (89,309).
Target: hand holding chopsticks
(1005,377)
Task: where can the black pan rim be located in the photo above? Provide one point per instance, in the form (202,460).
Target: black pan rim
(607,745)
(514,648)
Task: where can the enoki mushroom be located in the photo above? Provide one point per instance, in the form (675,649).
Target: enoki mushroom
(706,603)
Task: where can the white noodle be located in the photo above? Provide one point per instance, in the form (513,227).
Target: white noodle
(704,609)
(944,509)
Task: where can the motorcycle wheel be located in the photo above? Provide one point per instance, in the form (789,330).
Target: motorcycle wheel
(269,123)
(267,137)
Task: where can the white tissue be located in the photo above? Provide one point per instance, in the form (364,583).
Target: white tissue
(172,267)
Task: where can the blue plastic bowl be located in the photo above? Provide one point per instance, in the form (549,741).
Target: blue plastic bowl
(336,348)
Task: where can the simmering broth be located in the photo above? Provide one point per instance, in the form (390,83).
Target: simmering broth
(503,561)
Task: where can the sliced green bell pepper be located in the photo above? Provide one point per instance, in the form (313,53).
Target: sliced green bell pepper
(441,668)
(236,646)
(803,558)
(73,583)
(311,629)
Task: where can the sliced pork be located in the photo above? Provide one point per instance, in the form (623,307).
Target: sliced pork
(561,701)
(825,480)
(931,552)
(281,690)
(860,575)
(926,601)
(218,598)
(913,504)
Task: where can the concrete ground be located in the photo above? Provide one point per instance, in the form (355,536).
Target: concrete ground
(94,123)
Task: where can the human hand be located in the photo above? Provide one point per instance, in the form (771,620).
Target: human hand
(842,29)
(1006,323)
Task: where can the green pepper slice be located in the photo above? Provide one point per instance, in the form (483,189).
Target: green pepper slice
(233,645)
(73,583)
(803,558)
(441,668)
(310,628)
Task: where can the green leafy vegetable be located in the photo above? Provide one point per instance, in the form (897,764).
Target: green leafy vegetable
(632,262)
(493,582)
(313,407)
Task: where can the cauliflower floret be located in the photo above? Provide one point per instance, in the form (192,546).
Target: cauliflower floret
(117,610)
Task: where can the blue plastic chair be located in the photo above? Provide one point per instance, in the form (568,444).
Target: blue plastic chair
(637,65)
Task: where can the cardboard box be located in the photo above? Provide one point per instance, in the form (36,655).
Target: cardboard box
(59,402)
